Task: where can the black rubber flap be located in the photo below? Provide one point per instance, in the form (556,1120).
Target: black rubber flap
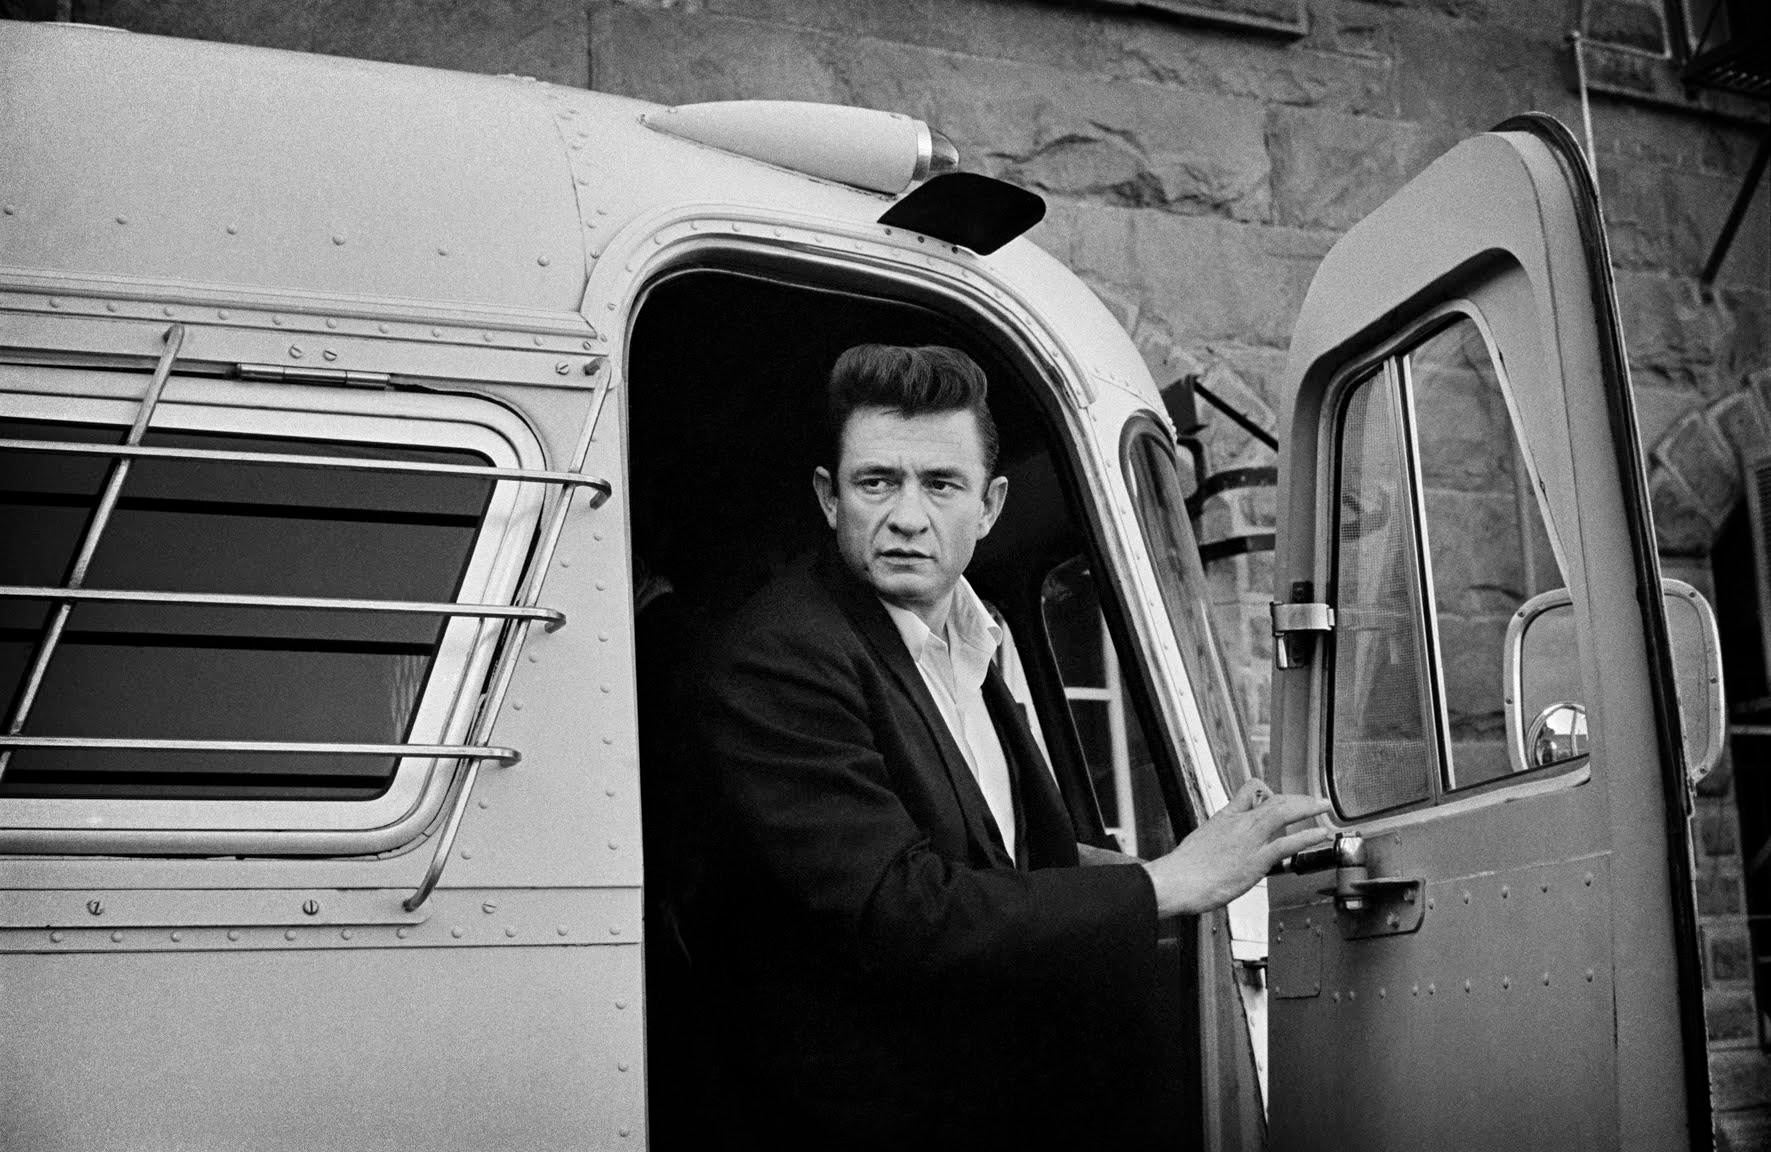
(964,208)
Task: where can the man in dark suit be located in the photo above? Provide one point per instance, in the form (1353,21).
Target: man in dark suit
(898,942)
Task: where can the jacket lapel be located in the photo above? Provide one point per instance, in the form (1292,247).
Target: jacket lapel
(1047,837)
(864,610)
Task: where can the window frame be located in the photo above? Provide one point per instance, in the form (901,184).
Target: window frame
(1390,359)
(445,710)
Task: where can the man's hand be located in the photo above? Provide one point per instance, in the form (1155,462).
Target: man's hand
(1228,854)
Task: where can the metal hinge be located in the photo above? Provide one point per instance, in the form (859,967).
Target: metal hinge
(1296,625)
(291,374)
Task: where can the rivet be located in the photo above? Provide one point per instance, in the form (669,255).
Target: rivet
(328,354)
(609,792)
(338,239)
(10,210)
(531,657)
(467,853)
(122,219)
(1589,879)
(561,929)
(277,320)
(1546,979)
(345,933)
(442,251)
(562,368)
(1383,993)
(1505,891)
(609,306)
(609,740)
(1308,921)
(588,345)
(289,935)
(381,327)
(1432,989)
(436,331)
(1337,997)
(311,906)
(516,705)
(458,931)
(1589,975)
(1352,995)
(596,535)
(1415,991)
(694,226)
(536,340)
(583,180)
(1506,981)
(614,846)
(295,351)
(544,261)
(510,930)
(233,229)
(614,929)
(603,636)
(56,938)
(221,313)
(485,803)
(620,1004)
(1466,897)
(486,336)
(1546,886)
(565,563)
(1394,920)
(54,303)
(489,907)
(624,1132)
(177,936)
(600,586)
(331,323)
(166,311)
(234,934)
(1432,902)
(606,689)
(1468,987)
(622,1066)
(110,305)
(116,937)
(403,933)
(95,907)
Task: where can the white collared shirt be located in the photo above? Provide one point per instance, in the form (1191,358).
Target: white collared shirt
(953,666)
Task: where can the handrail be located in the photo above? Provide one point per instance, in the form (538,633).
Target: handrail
(501,675)
(89,538)
(554,618)
(475,752)
(299,460)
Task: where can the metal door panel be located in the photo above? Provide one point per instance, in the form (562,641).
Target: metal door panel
(1445,1034)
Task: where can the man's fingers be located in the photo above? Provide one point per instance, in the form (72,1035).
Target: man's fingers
(1286,809)
(1294,842)
(1252,794)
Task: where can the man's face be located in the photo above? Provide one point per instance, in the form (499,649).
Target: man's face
(909,503)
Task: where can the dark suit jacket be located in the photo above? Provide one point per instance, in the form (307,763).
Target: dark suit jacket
(880,973)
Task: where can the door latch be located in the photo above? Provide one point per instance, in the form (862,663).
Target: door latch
(1296,626)
(1367,905)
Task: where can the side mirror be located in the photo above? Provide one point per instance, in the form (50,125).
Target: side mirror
(1546,716)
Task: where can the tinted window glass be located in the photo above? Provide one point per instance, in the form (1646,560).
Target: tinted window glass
(155,671)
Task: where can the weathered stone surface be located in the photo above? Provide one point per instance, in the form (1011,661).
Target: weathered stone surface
(1729,1013)
(1478,552)
(547,39)
(1674,338)
(1472,75)
(1740,1078)
(1718,890)
(1470,656)
(1100,42)
(1716,828)
(673,57)
(1658,409)
(1745,423)
(1659,216)
(1331,170)
(1466,436)
(1639,24)
(1214,280)
(1730,955)
(1679,526)
(1705,462)
(1747,1131)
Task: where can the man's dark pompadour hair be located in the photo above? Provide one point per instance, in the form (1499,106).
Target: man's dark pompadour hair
(911,382)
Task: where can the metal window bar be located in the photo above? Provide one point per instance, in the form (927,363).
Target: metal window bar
(516,618)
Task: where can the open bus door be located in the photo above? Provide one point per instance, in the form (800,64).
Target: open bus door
(1474,665)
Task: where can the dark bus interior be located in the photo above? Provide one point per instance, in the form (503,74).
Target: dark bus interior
(726,365)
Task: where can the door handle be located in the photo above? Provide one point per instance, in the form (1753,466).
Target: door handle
(1356,891)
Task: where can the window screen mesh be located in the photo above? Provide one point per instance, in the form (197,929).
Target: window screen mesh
(1379,740)
(154,671)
